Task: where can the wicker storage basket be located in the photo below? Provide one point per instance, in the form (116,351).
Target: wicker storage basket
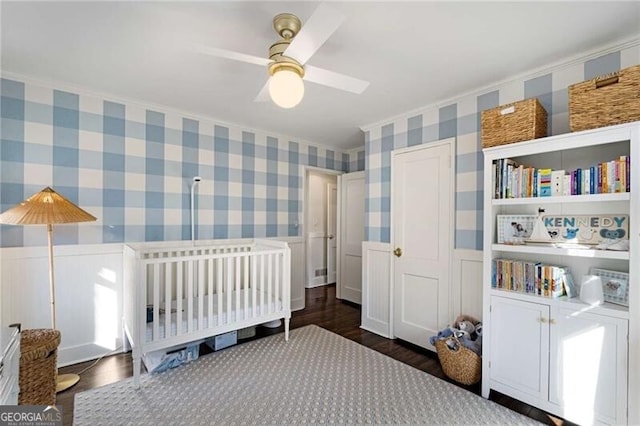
(38,366)
(519,121)
(606,100)
(462,365)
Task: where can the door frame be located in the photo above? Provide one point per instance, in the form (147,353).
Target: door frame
(304,170)
(333,236)
(451,142)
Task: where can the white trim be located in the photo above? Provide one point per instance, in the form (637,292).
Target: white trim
(33,252)
(302,224)
(536,72)
(328,250)
(355,150)
(84,91)
(303,171)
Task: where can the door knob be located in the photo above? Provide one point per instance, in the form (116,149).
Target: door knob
(330,236)
(398,252)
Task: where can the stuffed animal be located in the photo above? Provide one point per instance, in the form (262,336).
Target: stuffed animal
(474,344)
(468,328)
(442,334)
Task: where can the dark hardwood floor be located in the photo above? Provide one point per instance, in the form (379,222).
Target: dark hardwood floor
(322,309)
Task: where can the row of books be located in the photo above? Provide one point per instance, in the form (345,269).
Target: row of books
(532,278)
(513,180)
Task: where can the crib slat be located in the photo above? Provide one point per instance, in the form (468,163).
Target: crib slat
(269,281)
(245,286)
(262,284)
(156,302)
(200,279)
(254,285)
(190,269)
(238,277)
(168,281)
(228,287)
(179,268)
(219,289)
(276,292)
(210,293)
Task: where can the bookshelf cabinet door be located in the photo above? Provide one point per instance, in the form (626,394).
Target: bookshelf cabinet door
(520,345)
(588,366)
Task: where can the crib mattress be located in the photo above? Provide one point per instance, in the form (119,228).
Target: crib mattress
(220,316)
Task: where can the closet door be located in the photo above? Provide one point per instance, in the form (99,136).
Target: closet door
(422,217)
(351,236)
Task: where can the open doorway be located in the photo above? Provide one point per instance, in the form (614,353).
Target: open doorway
(320,231)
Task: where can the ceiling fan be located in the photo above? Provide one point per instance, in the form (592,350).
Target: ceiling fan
(288,57)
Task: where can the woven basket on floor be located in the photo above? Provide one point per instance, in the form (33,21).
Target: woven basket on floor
(519,121)
(605,100)
(462,365)
(38,366)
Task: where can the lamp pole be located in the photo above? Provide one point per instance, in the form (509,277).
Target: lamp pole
(52,288)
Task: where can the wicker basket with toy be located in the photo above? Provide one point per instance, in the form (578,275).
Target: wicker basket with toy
(459,349)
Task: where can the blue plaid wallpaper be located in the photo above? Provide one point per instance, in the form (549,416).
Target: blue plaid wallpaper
(132,167)
(461,119)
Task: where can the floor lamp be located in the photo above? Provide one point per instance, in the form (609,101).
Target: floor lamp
(47,207)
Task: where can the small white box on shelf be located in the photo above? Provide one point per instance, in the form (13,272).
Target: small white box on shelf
(557,182)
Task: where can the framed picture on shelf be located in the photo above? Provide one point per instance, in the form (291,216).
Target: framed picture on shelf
(514,229)
(615,285)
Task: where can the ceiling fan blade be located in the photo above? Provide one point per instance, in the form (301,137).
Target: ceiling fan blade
(334,79)
(230,54)
(263,95)
(324,22)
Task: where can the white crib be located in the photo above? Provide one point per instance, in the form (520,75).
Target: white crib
(207,289)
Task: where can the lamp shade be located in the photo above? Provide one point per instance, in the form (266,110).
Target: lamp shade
(44,208)
(286,88)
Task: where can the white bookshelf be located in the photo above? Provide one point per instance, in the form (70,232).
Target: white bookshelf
(562,355)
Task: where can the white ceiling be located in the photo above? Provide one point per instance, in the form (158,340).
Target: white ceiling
(413,53)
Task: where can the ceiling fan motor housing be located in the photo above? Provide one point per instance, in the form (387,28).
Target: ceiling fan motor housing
(287,26)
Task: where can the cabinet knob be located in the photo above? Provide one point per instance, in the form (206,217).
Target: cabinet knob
(552,321)
(398,252)
(542,320)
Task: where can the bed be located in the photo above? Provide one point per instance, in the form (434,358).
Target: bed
(176,293)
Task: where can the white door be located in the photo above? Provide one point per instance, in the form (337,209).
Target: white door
(421,203)
(521,364)
(332,245)
(350,237)
(587,374)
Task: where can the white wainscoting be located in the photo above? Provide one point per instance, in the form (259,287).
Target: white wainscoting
(466,291)
(317,259)
(296,244)
(466,286)
(88,282)
(376,288)
(88,294)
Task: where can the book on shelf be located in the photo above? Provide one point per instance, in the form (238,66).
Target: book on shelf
(514,180)
(532,278)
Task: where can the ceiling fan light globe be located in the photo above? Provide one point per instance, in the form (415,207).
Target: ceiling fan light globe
(286,88)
